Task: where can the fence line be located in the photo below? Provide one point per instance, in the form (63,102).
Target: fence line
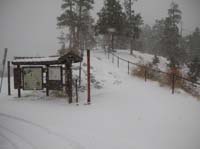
(173,76)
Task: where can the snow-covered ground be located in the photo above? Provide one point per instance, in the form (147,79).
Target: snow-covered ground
(126,113)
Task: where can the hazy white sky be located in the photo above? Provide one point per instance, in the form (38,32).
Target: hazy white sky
(28,27)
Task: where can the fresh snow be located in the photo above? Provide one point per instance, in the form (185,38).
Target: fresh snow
(126,113)
(142,58)
(40,59)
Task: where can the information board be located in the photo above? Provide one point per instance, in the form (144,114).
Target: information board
(55,81)
(55,73)
(32,78)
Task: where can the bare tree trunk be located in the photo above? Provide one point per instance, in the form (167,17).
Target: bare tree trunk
(79,25)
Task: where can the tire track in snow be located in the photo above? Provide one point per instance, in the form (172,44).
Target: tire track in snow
(17,135)
(73,144)
(9,141)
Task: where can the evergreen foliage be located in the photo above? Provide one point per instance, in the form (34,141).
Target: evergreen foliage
(194,69)
(76,19)
(155,60)
(170,39)
(110,16)
(133,23)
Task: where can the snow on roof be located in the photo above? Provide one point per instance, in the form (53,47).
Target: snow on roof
(37,59)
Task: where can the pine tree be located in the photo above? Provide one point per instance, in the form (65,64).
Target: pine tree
(157,35)
(110,17)
(87,34)
(83,8)
(62,40)
(194,43)
(155,60)
(72,19)
(68,19)
(133,23)
(171,37)
(194,69)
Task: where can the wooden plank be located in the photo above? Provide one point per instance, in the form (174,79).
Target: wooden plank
(47,80)
(88,78)
(19,87)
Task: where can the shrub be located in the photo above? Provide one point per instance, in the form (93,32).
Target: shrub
(155,60)
(58,93)
(151,72)
(139,71)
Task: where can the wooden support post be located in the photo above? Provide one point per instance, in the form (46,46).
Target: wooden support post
(47,80)
(19,86)
(88,78)
(9,86)
(76,91)
(118,61)
(70,84)
(68,81)
(80,69)
(173,83)
(128,67)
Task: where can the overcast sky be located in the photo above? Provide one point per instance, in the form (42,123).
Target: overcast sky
(28,27)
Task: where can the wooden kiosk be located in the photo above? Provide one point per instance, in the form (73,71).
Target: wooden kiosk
(38,73)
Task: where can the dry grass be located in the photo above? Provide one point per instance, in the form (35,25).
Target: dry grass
(166,79)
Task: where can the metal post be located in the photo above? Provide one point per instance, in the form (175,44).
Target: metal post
(112,58)
(9,88)
(118,61)
(88,78)
(112,41)
(173,82)
(4,63)
(128,67)
(145,74)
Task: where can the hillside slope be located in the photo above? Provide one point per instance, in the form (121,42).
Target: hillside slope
(125,113)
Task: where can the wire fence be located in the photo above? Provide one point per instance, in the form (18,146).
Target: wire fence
(174,80)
